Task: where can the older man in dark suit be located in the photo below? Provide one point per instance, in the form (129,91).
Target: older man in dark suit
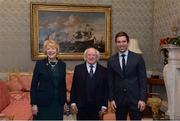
(127,81)
(89,96)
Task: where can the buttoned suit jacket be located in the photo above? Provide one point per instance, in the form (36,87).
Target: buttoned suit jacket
(79,86)
(132,83)
(42,86)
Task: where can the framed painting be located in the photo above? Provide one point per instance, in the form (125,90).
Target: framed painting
(74,27)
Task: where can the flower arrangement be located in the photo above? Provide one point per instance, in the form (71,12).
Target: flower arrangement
(165,41)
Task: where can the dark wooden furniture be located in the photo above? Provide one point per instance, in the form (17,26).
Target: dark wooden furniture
(154,81)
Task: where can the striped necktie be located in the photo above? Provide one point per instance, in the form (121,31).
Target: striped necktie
(91,71)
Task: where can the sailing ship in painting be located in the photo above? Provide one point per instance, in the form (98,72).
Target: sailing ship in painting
(79,40)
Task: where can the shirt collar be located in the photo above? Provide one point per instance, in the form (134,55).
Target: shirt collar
(125,53)
(88,65)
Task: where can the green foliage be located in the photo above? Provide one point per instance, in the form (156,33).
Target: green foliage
(165,41)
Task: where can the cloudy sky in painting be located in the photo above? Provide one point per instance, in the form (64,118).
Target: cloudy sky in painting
(65,24)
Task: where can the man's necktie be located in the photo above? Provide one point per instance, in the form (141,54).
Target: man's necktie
(91,71)
(123,62)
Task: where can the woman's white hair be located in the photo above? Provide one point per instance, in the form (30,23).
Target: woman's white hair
(51,43)
(97,53)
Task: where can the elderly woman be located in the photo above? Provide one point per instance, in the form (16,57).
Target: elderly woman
(48,87)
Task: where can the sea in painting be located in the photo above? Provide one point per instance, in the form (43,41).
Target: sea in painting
(74,31)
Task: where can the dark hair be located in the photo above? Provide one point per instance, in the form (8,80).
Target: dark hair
(120,34)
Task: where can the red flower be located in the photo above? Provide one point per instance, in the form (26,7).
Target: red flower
(172,40)
(163,41)
(168,40)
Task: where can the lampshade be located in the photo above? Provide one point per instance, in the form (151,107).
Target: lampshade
(134,46)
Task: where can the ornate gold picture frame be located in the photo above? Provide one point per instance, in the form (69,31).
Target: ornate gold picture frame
(74,27)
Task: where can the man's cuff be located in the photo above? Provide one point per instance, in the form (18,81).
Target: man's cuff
(73,104)
(104,107)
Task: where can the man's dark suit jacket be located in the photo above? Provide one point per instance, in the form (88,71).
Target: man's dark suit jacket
(42,86)
(132,83)
(79,86)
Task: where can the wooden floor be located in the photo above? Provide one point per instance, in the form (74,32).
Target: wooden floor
(147,116)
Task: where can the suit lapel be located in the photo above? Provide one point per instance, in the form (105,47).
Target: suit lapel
(84,71)
(129,61)
(96,78)
(49,73)
(48,70)
(60,68)
(84,74)
(117,66)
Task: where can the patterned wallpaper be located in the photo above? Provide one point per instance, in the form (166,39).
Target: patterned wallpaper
(145,20)
(15,35)
(132,16)
(136,18)
(165,12)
